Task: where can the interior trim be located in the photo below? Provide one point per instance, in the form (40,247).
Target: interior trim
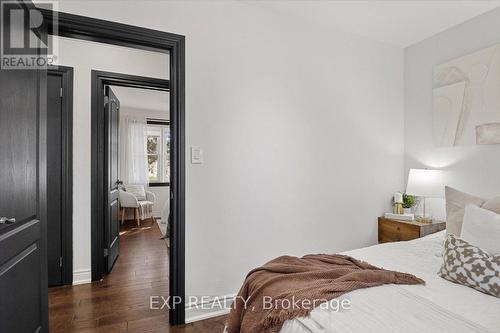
(82,276)
(209,308)
(66,74)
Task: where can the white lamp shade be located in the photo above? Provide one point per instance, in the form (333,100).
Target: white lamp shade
(425,183)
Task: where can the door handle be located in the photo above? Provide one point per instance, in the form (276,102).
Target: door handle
(4,220)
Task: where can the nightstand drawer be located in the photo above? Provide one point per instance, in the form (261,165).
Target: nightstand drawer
(392,231)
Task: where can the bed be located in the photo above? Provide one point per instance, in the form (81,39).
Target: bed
(439,306)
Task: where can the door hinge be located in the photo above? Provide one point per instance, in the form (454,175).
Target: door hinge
(60,261)
(105,252)
(106,100)
(61,92)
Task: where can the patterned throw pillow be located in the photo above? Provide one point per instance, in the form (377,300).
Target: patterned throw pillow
(470,266)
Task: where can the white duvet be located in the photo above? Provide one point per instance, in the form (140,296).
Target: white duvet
(439,306)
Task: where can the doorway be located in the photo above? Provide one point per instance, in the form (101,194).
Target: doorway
(60,175)
(137,264)
(105,231)
(136,165)
(90,29)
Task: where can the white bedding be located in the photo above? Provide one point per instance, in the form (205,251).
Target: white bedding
(439,306)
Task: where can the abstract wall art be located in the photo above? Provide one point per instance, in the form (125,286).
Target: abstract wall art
(467,99)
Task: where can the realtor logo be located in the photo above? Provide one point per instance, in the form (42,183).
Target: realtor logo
(25,43)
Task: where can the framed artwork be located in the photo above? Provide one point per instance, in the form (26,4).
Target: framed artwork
(467,99)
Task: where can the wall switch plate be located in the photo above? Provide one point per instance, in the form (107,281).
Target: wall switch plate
(196,155)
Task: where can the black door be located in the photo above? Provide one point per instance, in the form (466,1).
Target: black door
(54,179)
(23,265)
(111,221)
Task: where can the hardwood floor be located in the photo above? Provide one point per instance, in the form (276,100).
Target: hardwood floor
(120,302)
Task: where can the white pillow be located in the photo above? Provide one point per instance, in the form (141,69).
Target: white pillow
(482,229)
(456,201)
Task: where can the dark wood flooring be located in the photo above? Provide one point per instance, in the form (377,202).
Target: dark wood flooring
(120,302)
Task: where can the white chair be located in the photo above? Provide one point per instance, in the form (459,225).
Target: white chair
(135,196)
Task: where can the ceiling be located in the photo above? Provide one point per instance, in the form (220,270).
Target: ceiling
(137,98)
(396,22)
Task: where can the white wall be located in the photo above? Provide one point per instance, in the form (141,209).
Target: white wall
(474,169)
(83,57)
(302,131)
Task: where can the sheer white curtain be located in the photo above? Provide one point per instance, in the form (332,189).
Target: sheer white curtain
(133,154)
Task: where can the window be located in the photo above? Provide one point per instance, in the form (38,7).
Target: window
(158,149)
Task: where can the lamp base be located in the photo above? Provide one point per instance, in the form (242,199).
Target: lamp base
(424,219)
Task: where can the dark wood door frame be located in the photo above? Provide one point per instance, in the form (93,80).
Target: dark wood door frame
(86,28)
(66,74)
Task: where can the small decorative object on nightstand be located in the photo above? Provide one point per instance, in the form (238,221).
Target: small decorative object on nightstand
(390,230)
(398,203)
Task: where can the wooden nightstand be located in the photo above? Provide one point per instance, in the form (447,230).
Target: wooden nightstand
(397,230)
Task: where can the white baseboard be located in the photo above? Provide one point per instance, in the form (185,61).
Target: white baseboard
(209,308)
(82,276)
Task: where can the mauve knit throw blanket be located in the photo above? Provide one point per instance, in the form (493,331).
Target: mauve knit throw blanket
(291,280)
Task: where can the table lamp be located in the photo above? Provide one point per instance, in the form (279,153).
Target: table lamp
(427,184)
